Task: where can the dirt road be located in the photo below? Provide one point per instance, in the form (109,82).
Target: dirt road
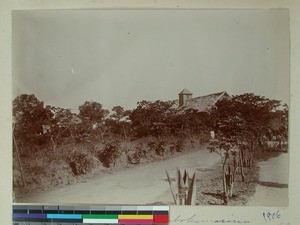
(272,188)
(144,184)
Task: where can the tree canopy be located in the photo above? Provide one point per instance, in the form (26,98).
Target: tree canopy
(29,114)
(238,120)
(149,118)
(92,111)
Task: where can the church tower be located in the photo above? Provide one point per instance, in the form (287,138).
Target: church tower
(184,95)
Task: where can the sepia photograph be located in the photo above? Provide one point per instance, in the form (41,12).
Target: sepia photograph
(151,107)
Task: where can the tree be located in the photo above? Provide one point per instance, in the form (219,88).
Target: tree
(242,123)
(194,122)
(62,125)
(93,112)
(149,118)
(118,113)
(30,115)
(279,124)
(246,118)
(93,115)
(118,122)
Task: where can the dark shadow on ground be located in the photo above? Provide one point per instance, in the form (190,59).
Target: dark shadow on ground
(272,184)
(215,195)
(203,169)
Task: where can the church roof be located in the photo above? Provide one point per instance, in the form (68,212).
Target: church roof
(185,92)
(203,103)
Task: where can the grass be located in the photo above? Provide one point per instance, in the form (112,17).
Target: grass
(73,163)
(46,170)
(209,187)
(209,184)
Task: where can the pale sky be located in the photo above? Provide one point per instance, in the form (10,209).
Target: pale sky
(120,57)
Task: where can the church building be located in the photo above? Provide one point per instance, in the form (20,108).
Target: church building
(201,103)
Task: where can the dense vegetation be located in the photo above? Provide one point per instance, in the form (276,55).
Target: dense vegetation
(52,142)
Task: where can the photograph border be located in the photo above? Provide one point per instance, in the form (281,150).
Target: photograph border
(254,214)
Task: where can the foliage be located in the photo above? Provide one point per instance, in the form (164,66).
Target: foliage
(61,125)
(93,112)
(93,116)
(194,122)
(247,120)
(156,145)
(160,148)
(29,114)
(179,144)
(79,163)
(149,118)
(279,123)
(118,123)
(110,153)
(246,117)
(242,123)
(139,153)
(119,113)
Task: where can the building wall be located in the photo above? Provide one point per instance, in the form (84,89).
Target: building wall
(183,99)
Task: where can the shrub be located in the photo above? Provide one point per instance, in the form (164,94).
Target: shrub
(151,144)
(140,151)
(139,154)
(33,174)
(160,150)
(179,145)
(156,145)
(110,153)
(80,163)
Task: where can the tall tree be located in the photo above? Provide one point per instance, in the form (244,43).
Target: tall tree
(30,115)
(149,118)
(93,112)
(62,125)
(245,117)
(118,113)
(93,116)
(118,122)
(242,123)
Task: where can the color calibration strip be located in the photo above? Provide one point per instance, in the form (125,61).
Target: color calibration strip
(74,215)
